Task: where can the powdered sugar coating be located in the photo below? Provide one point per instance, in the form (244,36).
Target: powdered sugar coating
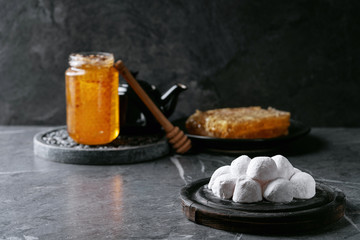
(279,190)
(304,185)
(218,172)
(239,166)
(262,169)
(285,169)
(273,179)
(247,191)
(224,185)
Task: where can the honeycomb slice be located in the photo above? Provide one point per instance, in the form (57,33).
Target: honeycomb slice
(244,122)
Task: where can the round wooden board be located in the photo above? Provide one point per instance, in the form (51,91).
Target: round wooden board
(100,155)
(299,216)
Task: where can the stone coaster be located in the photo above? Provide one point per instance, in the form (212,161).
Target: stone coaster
(56,145)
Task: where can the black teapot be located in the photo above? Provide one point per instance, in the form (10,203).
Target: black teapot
(135,118)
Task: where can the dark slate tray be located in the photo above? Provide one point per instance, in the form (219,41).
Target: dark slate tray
(56,145)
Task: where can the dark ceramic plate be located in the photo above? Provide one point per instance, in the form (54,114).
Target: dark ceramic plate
(296,130)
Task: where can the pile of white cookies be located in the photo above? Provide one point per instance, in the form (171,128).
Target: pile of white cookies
(249,180)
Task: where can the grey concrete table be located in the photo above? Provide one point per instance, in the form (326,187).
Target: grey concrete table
(40,199)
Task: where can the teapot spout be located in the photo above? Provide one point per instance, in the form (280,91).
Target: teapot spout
(169,99)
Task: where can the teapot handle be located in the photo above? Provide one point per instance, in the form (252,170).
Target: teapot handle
(176,137)
(170,97)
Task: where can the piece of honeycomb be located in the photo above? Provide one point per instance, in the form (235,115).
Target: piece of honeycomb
(244,122)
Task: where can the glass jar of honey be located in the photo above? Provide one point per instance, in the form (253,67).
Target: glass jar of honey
(92,103)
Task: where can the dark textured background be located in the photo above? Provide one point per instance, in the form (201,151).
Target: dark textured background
(300,56)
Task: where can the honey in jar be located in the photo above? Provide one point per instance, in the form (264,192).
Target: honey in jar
(92,103)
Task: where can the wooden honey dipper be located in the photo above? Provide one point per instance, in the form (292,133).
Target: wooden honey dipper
(176,137)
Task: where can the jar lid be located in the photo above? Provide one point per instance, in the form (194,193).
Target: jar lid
(91,58)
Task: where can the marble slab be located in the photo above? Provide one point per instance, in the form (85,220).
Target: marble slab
(42,199)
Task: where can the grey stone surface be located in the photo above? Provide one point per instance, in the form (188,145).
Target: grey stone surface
(40,199)
(301,56)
